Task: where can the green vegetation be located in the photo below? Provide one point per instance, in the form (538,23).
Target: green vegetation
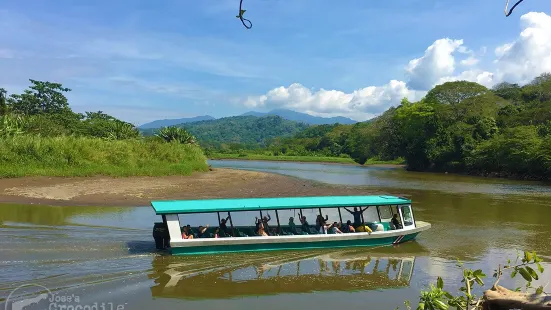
(495,297)
(458,127)
(252,156)
(247,131)
(41,135)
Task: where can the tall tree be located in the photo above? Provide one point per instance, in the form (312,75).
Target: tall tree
(454,92)
(41,97)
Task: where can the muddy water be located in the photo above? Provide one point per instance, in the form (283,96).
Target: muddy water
(106,255)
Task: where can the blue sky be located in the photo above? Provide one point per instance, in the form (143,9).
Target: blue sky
(146,60)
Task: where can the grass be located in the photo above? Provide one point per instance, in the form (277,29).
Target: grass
(319,159)
(322,159)
(26,155)
(375,161)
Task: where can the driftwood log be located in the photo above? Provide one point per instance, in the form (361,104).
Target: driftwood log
(500,298)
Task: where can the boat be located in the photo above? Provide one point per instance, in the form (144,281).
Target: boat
(382,231)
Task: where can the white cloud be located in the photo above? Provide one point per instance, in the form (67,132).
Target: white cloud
(438,62)
(360,104)
(471,61)
(530,54)
(479,76)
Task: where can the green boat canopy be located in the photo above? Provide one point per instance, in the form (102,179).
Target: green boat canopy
(280,203)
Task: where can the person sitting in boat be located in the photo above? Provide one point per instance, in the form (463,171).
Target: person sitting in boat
(224,228)
(202,231)
(217,232)
(187,233)
(292,226)
(349,227)
(320,221)
(357,215)
(334,228)
(261,232)
(257,224)
(396,222)
(305,227)
(189,229)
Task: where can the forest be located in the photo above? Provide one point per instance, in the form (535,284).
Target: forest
(457,127)
(247,132)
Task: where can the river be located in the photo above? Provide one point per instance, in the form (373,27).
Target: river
(106,255)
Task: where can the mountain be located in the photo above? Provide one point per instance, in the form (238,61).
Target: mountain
(248,130)
(171,122)
(303,117)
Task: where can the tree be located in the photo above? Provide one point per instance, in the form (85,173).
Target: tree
(454,92)
(539,89)
(508,91)
(101,125)
(41,97)
(3,104)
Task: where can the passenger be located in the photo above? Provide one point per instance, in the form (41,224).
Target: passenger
(224,228)
(343,227)
(265,221)
(357,216)
(304,224)
(396,222)
(320,221)
(187,233)
(257,223)
(217,232)
(335,229)
(292,226)
(350,227)
(202,230)
(261,231)
(324,227)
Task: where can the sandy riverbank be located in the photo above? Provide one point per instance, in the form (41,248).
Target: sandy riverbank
(139,191)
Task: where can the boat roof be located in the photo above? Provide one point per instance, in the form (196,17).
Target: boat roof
(277,203)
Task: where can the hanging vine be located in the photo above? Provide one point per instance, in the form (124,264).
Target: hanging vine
(247,23)
(512,8)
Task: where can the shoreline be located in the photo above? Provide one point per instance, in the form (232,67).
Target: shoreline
(387,165)
(104,191)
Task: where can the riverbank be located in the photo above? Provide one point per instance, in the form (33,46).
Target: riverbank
(139,191)
(305,159)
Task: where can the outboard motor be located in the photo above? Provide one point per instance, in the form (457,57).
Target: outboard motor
(161,235)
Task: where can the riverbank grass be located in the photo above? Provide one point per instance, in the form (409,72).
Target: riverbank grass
(376,161)
(68,156)
(319,159)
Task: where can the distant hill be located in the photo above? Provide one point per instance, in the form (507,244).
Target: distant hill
(245,130)
(303,117)
(171,122)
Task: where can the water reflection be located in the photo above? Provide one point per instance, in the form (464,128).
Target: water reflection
(232,276)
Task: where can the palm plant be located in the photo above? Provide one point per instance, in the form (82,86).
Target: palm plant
(173,133)
(122,130)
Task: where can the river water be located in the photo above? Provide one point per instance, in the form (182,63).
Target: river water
(106,256)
